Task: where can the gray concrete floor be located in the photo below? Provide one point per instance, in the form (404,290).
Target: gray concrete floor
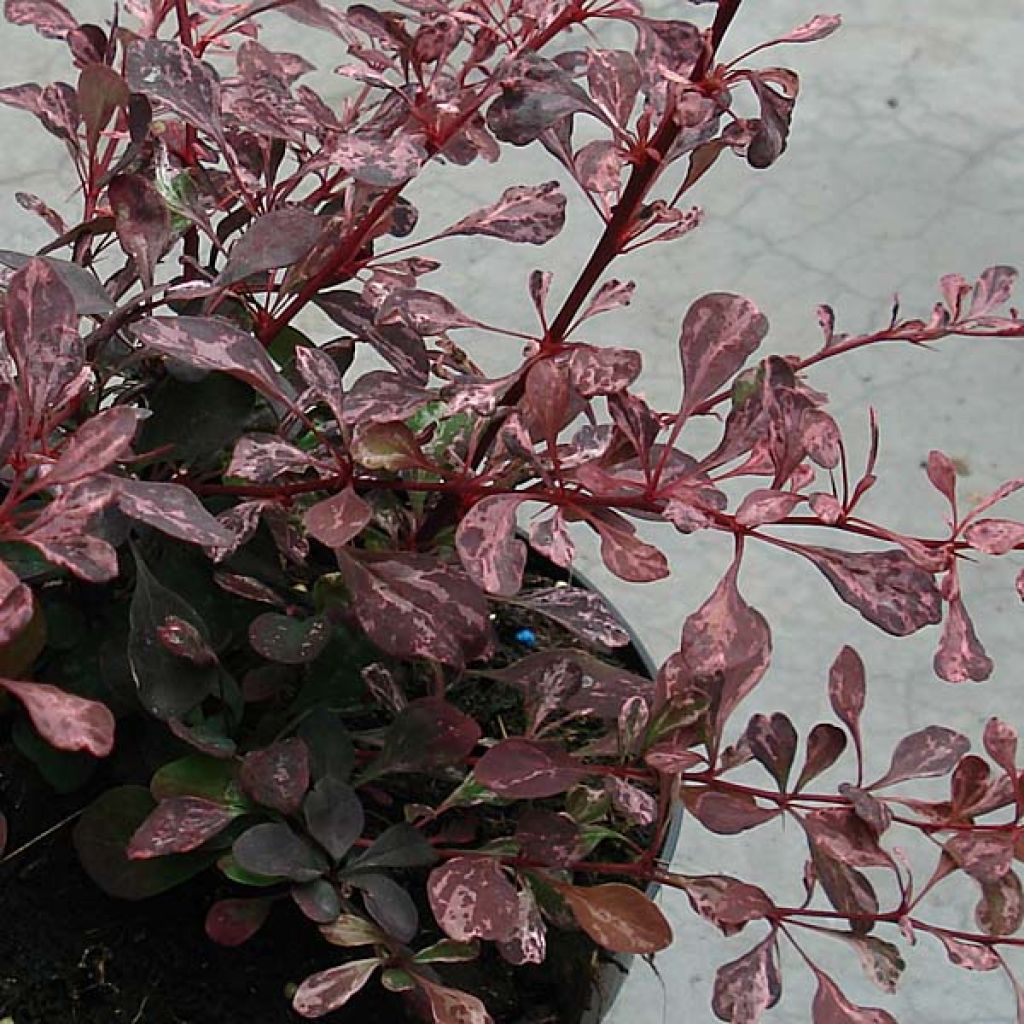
(905,164)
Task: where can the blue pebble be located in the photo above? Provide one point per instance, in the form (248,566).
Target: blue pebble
(527,638)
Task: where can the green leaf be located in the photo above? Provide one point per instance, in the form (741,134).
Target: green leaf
(394,979)
(103,833)
(448,951)
(199,419)
(230,868)
(198,775)
(25,561)
(168,686)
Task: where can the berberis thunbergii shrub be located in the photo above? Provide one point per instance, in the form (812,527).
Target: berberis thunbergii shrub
(294,561)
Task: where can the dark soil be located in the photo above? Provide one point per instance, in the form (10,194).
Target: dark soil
(71,955)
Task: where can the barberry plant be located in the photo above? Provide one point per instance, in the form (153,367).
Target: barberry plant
(285,551)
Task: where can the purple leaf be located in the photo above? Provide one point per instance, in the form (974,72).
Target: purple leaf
(994,288)
(603,371)
(636,805)
(274,850)
(48,17)
(173,509)
(65,720)
(771,130)
(382,163)
(526,769)
(746,987)
(472,898)
(318,900)
(179,824)
(427,313)
(821,437)
(277,776)
(583,612)
(101,440)
(165,70)
(321,374)
(338,519)
(388,904)
(487,545)
(846,691)
(726,647)
(986,857)
(1000,739)
(101,93)
(427,733)
(279,238)
(886,587)
(524,213)
(961,656)
(234,921)
(209,343)
(399,846)
(766,506)
(994,536)
(832,1007)
(90,297)
(728,814)
(548,837)
(412,606)
(328,990)
(932,751)
(60,531)
(880,960)
(719,332)
(1000,911)
(551,538)
(772,741)
(142,221)
(334,816)
(825,744)
(942,475)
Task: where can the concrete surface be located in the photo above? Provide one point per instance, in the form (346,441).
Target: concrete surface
(905,163)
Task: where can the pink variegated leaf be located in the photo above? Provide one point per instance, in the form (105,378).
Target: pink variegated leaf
(173,509)
(262,458)
(819,27)
(90,297)
(961,656)
(830,1006)
(932,751)
(381,397)
(985,856)
(15,605)
(583,612)
(726,647)
(886,587)
(142,221)
(248,587)
(881,961)
(719,332)
(636,805)
(846,691)
(528,941)
(765,506)
(1003,491)
(969,955)
(726,902)
(425,312)
(613,77)
(233,922)
(389,446)
(487,545)
(826,507)
(1000,911)
(552,539)
(338,519)
(825,745)
(277,776)
(101,440)
(321,374)
(209,343)
(821,437)
(452,1006)
(993,289)
(472,898)
(329,990)
(995,536)
(618,917)
(48,17)
(841,834)
(548,837)
(165,70)
(525,213)
(184,640)
(180,824)
(527,769)
(413,606)
(772,741)
(625,554)
(65,720)
(871,811)
(279,238)
(598,166)
(603,371)
(613,294)
(748,986)
(381,163)
(728,814)
(1000,739)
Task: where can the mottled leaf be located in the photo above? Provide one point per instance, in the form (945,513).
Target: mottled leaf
(825,744)
(336,520)
(278,775)
(728,814)
(472,898)
(932,751)
(525,769)
(142,221)
(772,741)
(1000,911)
(994,536)
(65,720)
(328,990)
(749,985)
(288,640)
(487,545)
(179,824)
(581,611)
(172,509)
(830,1006)
(960,656)
(524,213)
